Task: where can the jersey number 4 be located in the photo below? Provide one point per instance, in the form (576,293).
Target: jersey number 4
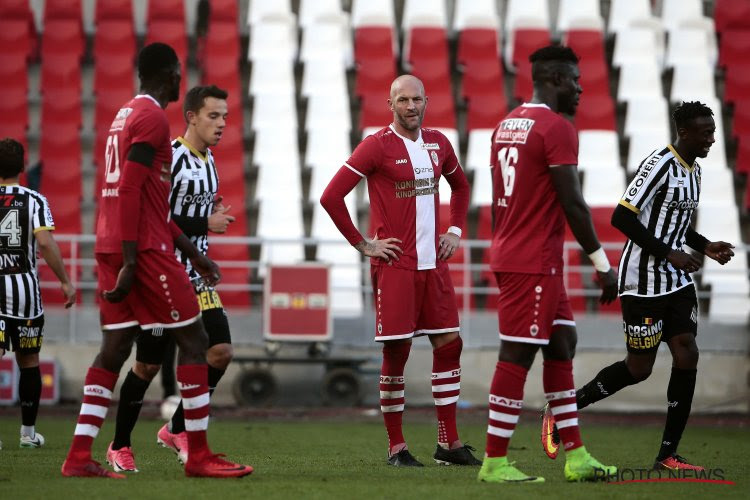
(508,158)
(10,228)
(112,160)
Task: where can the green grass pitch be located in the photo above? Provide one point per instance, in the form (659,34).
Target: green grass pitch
(345,458)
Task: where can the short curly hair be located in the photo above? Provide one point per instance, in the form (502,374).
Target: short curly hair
(689,110)
(11,158)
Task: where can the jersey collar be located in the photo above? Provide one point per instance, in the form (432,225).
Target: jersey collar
(535,105)
(197,153)
(419,139)
(146,96)
(679,158)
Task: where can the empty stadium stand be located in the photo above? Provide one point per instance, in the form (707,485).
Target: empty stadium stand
(309,78)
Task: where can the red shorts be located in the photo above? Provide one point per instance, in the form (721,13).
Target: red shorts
(530,306)
(410,303)
(161,296)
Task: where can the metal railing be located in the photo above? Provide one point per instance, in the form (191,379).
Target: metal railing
(80,262)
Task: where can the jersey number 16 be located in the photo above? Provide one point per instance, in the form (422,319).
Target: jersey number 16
(112,160)
(507,158)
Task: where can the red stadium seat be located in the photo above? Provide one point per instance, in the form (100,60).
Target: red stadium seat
(14,108)
(525,42)
(15,37)
(166,10)
(587,44)
(737,83)
(441,111)
(115,72)
(741,119)
(743,156)
(62,9)
(435,74)
(374,76)
(224,10)
(373,42)
(61,107)
(374,111)
(426,43)
(477,43)
(483,77)
(595,112)
(222,40)
(170,31)
(114,10)
(114,37)
(731,14)
(60,145)
(734,45)
(14,71)
(523,87)
(485,111)
(61,70)
(62,36)
(15,9)
(594,77)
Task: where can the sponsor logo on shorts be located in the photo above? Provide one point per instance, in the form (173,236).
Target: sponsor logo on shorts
(29,337)
(175,315)
(647,335)
(209,299)
(694,315)
(534,330)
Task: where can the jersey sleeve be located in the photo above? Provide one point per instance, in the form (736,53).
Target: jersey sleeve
(561,144)
(451,161)
(644,186)
(42,219)
(366,157)
(151,127)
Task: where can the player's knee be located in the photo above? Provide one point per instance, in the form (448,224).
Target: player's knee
(145,371)
(220,355)
(686,355)
(640,370)
(27,360)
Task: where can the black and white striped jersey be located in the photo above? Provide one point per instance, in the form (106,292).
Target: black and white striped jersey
(23,212)
(194,185)
(664,193)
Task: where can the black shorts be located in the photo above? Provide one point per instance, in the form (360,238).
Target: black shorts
(151,345)
(646,321)
(24,335)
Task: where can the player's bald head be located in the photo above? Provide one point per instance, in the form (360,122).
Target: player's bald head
(407,84)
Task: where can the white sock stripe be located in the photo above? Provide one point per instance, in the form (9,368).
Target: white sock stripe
(391,394)
(97,390)
(503,401)
(196,402)
(86,430)
(391,408)
(445,401)
(446,387)
(556,410)
(387,379)
(571,422)
(95,410)
(503,417)
(499,431)
(448,374)
(560,395)
(199,424)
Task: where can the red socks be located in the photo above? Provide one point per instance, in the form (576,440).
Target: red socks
(506,400)
(560,392)
(446,386)
(97,393)
(193,383)
(392,390)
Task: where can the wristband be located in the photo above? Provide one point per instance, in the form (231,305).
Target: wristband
(455,230)
(600,261)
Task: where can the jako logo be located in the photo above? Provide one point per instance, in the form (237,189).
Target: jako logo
(402,161)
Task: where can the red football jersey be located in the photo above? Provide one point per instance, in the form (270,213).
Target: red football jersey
(402,179)
(529,222)
(141,119)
